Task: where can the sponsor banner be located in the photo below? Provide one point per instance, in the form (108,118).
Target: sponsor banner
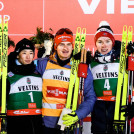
(26,84)
(102,71)
(57,74)
(31,105)
(57,92)
(24,112)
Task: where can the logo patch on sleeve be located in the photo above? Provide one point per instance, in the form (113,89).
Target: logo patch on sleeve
(10,74)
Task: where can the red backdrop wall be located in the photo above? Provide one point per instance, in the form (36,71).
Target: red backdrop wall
(26,15)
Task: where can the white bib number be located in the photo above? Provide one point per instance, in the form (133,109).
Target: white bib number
(106,84)
(31,96)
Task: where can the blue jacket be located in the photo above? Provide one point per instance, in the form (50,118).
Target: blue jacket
(89,95)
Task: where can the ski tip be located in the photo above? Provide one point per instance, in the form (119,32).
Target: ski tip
(78,30)
(84,31)
(130,29)
(125,28)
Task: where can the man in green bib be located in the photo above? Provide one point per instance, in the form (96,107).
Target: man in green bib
(24,91)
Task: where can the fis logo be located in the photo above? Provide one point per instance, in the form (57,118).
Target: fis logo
(28,80)
(105,68)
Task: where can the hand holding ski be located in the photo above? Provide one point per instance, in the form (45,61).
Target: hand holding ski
(120,122)
(73,91)
(70,119)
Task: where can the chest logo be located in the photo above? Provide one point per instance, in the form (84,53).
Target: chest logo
(28,80)
(105,68)
(61,73)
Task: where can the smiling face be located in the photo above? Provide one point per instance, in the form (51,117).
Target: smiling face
(104,45)
(25,56)
(64,50)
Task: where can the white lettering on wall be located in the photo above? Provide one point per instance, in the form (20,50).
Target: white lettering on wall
(1,6)
(92,7)
(124,6)
(6,17)
(110,6)
(89,9)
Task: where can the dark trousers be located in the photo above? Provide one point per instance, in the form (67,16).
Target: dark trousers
(47,130)
(30,124)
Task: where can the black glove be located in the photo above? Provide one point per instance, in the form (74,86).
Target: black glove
(88,57)
(116,50)
(130,48)
(117,45)
(77,56)
(129,110)
(41,51)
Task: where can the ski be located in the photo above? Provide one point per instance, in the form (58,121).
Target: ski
(73,90)
(125,92)
(118,125)
(122,86)
(125,83)
(73,70)
(4,74)
(76,86)
(0,47)
(76,95)
(0,57)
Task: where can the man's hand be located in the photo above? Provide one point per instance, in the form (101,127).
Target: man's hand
(130,48)
(69,119)
(88,57)
(129,110)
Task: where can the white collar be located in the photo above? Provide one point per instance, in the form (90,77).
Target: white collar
(17,62)
(104,59)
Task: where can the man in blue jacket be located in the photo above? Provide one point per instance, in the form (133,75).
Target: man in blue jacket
(55,72)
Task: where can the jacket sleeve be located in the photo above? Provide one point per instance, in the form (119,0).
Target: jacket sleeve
(41,65)
(89,97)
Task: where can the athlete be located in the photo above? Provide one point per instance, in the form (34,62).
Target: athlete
(24,91)
(104,68)
(55,72)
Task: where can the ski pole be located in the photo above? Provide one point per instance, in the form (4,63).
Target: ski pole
(131,75)
(127,101)
(81,88)
(132,97)
(82,74)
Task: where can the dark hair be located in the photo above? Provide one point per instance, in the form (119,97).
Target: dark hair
(62,30)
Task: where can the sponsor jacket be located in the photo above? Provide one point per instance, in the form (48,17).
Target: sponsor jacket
(24,89)
(105,77)
(55,88)
(25,95)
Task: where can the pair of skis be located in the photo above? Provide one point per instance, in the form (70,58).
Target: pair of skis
(120,123)
(74,88)
(3,70)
